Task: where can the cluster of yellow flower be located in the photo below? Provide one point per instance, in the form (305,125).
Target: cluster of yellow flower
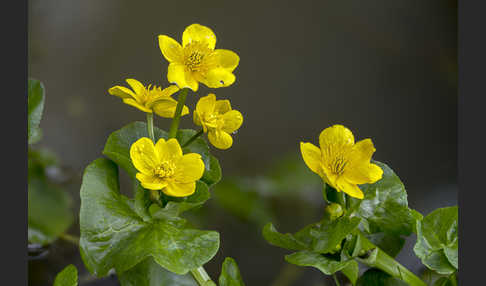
(339,161)
(163,166)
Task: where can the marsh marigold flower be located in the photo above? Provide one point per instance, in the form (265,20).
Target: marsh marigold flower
(340,162)
(218,120)
(197,60)
(149,99)
(163,166)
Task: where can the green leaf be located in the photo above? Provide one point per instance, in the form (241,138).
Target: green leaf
(212,174)
(330,234)
(351,271)
(49,213)
(35,101)
(391,244)
(376,277)
(67,277)
(437,240)
(149,273)
(385,205)
(113,235)
(325,264)
(230,274)
(118,144)
(142,201)
(287,241)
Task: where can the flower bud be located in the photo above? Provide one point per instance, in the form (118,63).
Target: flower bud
(333,211)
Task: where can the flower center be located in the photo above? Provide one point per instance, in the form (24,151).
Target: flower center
(214,121)
(165,169)
(194,60)
(337,165)
(198,57)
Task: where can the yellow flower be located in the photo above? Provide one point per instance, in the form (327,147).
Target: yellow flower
(218,120)
(163,166)
(341,163)
(149,99)
(197,60)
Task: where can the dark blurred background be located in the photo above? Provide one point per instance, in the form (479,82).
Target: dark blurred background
(385,69)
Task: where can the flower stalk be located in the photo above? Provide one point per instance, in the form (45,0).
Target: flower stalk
(379,259)
(174,126)
(150,126)
(202,277)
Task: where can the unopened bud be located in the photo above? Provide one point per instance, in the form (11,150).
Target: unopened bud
(333,211)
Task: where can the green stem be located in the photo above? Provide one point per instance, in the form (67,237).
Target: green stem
(70,238)
(341,196)
(202,277)
(199,133)
(336,280)
(379,259)
(177,116)
(150,126)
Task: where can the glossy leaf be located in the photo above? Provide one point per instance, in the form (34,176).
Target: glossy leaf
(376,277)
(385,205)
(287,241)
(149,273)
(230,274)
(67,277)
(35,107)
(322,262)
(113,235)
(351,271)
(330,234)
(437,240)
(212,175)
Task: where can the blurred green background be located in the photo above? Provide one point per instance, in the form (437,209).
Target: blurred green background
(385,69)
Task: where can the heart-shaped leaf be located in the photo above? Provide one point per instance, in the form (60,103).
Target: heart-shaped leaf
(113,235)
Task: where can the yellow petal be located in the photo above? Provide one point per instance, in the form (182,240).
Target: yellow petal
(190,168)
(227,59)
(133,103)
(143,155)
(176,189)
(312,157)
(232,121)
(206,104)
(199,33)
(151,182)
(121,91)
(177,74)
(166,108)
(351,189)
(220,139)
(168,150)
(222,106)
(171,49)
(359,169)
(219,77)
(136,86)
(337,138)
